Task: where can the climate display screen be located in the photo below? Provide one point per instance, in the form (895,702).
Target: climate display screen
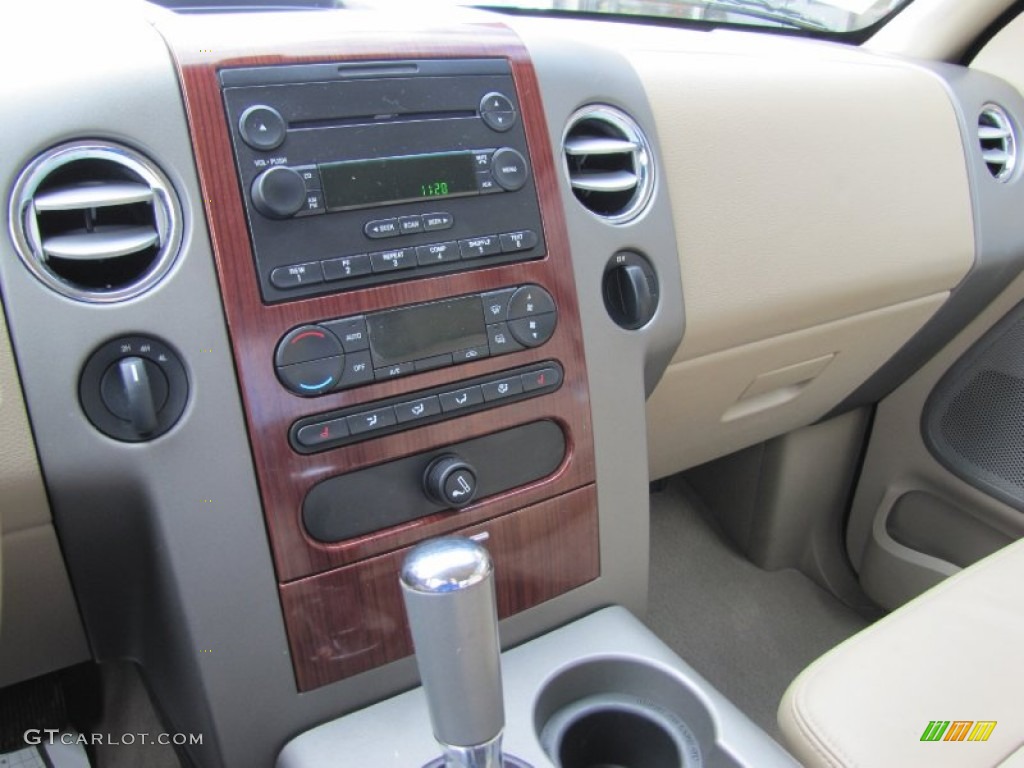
(365,183)
(416,333)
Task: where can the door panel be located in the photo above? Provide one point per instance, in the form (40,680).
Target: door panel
(940,486)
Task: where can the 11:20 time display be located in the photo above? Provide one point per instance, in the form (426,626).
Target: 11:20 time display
(352,184)
(434,189)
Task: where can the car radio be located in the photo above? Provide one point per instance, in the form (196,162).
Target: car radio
(364,173)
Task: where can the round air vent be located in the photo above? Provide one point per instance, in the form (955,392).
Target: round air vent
(95,222)
(608,162)
(998,143)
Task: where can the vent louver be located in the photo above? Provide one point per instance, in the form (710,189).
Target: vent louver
(998,143)
(608,163)
(95,222)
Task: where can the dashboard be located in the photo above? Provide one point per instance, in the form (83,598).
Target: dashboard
(397,277)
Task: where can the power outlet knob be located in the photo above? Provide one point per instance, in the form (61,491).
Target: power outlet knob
(450,481)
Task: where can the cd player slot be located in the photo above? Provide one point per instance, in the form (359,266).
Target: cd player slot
(403,117)
(377,70)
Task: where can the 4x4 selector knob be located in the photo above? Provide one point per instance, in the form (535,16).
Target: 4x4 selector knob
(451,481)
(279,193)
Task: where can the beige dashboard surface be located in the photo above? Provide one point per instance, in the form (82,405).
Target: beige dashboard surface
(951,655)
(21,484)
(40,629)
(1002,55)
(822,213)
(805,189)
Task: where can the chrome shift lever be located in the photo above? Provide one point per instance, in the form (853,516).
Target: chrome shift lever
(448,588)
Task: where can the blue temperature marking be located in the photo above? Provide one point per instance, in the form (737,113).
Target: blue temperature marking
(321,385)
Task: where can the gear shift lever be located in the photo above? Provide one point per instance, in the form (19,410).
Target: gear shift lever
(448,587)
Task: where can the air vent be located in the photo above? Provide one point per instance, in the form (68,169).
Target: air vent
(608,162)
(95,222)
(998,144)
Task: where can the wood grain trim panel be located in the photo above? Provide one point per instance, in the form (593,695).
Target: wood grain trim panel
(352,619)
(203,47)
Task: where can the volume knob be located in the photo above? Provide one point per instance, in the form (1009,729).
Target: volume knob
(279,193)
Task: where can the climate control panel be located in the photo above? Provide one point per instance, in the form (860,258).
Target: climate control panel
(346,352)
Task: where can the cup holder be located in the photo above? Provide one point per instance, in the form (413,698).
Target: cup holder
(617,731)
(624,713)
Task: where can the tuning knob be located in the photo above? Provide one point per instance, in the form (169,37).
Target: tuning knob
(279,193)
(450,481)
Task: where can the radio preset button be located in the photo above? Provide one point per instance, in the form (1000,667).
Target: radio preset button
(358,370)
(508,168)
(393,371)
(313,435)
(351,331)
(389,261)
(530,300)
(415,410)
(410,225)
(297,275)
(305,343)
(534,330)
(381,228)
(501,340)
(461,398)
(437,253)
(371,421)
(433,222)
(278,193)
(499,390)
(523,240)
(346,267)
(312,378)
(262,127)
(471,354)
(475,247)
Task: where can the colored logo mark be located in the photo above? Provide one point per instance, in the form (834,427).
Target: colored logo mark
(958,730)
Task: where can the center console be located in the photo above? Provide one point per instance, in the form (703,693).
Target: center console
(404,321)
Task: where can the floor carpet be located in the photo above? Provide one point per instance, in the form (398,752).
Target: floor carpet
(748,631)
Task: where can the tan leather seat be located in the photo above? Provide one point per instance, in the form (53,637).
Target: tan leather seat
(955,654)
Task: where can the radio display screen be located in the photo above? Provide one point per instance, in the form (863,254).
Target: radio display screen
(416,333)
(352,184)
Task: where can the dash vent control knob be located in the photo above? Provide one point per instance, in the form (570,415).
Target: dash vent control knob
(450,481)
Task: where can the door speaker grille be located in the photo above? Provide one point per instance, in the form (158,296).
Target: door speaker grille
(973,421)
